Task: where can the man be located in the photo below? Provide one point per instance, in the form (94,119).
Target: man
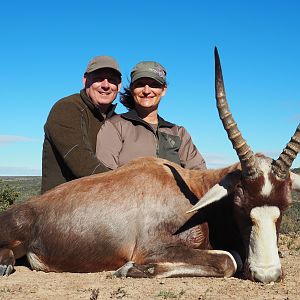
(73,123)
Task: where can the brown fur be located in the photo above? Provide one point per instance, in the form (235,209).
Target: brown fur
(137,213)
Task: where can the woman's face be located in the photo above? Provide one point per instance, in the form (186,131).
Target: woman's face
(147,93)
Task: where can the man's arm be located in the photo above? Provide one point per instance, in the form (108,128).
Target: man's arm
(68,132)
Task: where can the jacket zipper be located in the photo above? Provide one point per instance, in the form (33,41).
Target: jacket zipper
(157,142)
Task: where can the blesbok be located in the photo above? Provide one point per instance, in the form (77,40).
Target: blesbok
(146,220)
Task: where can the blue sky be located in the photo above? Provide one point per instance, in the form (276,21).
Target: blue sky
(45,47)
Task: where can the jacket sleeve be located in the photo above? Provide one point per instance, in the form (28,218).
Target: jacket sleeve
(189,155)
(67,130)
(109,145)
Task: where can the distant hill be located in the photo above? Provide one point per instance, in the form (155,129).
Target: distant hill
(27,186)
(296,170)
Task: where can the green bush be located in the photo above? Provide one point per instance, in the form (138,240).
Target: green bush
(8,195)
(291,219)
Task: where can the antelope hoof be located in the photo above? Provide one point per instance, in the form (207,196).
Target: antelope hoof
(123,271)
(6,270)
(7,262)
(130,269)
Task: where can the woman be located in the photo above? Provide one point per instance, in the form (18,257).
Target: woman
(141,131)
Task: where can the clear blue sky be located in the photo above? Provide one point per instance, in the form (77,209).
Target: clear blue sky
(45,46)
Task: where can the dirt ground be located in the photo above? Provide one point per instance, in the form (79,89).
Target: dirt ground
(27,284)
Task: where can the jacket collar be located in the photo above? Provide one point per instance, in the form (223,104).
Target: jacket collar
(95,110)
(133,116)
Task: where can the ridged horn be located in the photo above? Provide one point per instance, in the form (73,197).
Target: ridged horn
(245,154)
(285,160)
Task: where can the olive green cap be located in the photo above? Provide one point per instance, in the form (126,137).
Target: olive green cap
(100,62)
(150,69)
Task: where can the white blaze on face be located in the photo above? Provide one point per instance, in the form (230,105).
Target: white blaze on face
(263,256)
(265,167)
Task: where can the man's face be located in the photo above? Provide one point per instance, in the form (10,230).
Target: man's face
(102,86)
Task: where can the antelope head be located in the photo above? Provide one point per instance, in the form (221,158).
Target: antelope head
(261,194)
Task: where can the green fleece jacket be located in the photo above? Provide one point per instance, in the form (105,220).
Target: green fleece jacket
(70,140)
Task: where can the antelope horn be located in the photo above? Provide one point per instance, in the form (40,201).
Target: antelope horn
(285,160)
(245,154)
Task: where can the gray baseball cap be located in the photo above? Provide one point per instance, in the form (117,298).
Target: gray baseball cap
(150,69)
(99,62)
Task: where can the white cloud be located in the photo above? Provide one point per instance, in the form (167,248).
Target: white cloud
(22,171)
(217,160)
(9,139)
(270,153)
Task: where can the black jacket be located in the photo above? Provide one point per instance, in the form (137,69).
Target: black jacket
(70,140)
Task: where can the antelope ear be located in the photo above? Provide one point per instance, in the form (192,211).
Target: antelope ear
(295,181)
(216,193)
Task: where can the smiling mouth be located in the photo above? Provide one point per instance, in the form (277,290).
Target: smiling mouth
(147,98)
(104,93)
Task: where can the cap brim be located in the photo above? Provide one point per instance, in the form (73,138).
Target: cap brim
(139,75)
(103,67)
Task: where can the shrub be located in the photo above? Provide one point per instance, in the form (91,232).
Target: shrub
(8,196)
(291,219)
